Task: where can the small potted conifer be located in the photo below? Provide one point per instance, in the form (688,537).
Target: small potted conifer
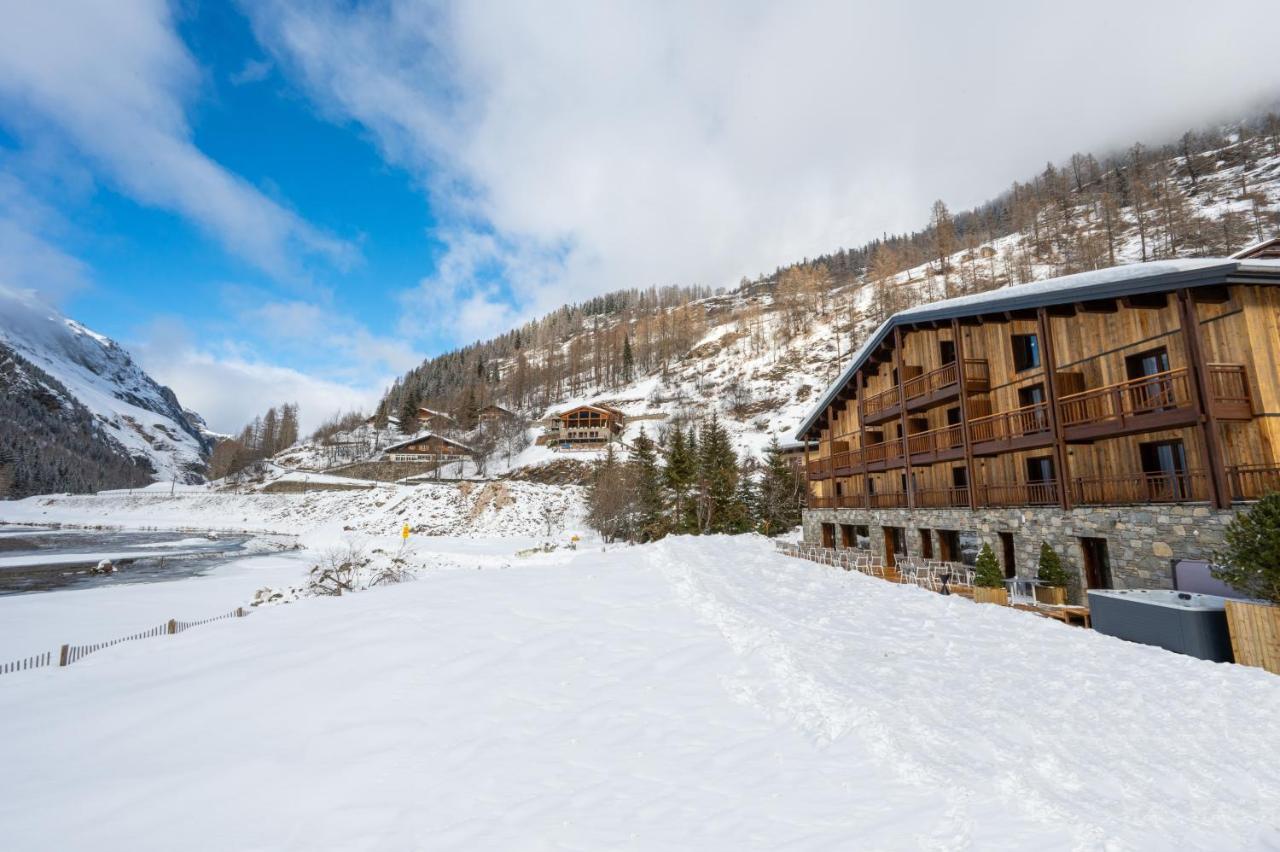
(988,580)
(1251,566)
(1052,589)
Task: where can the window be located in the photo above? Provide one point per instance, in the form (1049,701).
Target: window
(1040,469)
(953,416)
(959,477)
(1164,468)
(1026,352)
(926,544)
(1037,419)
(1156,394)
(947,350)
(847,537)
(862,536)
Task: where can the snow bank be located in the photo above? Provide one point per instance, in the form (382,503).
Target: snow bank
(455,509)
(693,694)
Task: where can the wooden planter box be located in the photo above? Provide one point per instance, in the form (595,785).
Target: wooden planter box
(1051,595)
(1255,634)
(994,596)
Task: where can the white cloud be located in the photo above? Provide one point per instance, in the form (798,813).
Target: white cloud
(253,71)
(114,78)
(29,260)
(605,145)
(229,385)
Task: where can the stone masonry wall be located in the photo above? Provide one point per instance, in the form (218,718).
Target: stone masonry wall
(1143,542)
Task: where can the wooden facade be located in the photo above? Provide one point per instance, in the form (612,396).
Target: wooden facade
(1149,386)
(585,425)
(427,448)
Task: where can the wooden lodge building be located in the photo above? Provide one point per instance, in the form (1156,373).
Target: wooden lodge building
(1120,415)
(584,426)
(427,448)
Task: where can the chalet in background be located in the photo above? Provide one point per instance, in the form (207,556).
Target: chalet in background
(496,414)
(427,448)
(434,421)
(583,426)
(1119,415)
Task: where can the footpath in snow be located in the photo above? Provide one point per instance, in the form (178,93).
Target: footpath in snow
(697,693)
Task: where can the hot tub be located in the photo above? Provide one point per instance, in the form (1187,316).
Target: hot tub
(1184,622)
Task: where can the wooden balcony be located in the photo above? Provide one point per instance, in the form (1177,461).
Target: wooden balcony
(1229,392)
(884,454)
(1252,482)
(936,445)
(845,463)
(1138,488)
(944,383)
(942,498)
(888,500)
(1159,401)
(821,502)
(820,468)
(1018,494)
(1020,429)
(882,406)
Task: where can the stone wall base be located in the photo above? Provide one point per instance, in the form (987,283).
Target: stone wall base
(1143,542)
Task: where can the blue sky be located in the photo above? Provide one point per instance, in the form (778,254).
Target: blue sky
(275,201)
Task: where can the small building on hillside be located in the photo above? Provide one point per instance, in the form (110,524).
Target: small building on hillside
(434,421)
(428,447)
(584,426)
(496,413)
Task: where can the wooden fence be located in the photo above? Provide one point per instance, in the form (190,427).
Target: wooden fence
(74,653)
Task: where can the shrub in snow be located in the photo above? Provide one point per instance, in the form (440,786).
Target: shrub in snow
(1050,571)
(337,570)
(987,573)
(1251,563)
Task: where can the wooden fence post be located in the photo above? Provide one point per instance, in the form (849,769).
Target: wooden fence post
(239,612)
(63,654)
(173,626)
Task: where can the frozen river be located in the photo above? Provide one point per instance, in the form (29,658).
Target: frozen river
(41,559)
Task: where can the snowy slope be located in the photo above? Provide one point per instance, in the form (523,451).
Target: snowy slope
(694,694)
(132,410)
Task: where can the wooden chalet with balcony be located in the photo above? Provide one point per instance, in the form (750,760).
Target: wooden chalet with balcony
(1109,391)
(584,426)
(429,447)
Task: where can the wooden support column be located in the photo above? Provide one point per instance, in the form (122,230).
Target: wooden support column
(1207,423)
(964,414)
(1061,460)
(862,437)
(902,414)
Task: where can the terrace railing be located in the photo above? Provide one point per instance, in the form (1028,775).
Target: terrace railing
(936,440)
(1229,391)
(888,500)
(1019,494)
(1124,400)
(1252,482)
(942,498)
(1172,487)
(1008,425)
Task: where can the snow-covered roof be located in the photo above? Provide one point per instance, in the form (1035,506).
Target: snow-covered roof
(603,409)
(431,412)
(422,436)
(1129,280)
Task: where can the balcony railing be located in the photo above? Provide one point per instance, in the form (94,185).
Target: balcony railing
(1252,482)
(936,440)
(940,498)
(880,402)
(976,373)
(888,500)
(1008,425)
(820,468)
(1171,487)
(1019,494)
(1125,400)
(1229,391)
(885,451)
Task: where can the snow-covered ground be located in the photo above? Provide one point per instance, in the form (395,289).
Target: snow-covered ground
(457,509)
(697,693)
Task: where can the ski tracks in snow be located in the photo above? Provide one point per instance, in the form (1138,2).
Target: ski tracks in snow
(1090,741)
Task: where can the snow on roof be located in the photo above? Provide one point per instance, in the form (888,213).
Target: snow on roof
(431,412)
(422,436)
(594,406)
(1127,280)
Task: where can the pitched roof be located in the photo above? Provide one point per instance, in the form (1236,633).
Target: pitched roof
(593,406)
(1129,280)
(422,436)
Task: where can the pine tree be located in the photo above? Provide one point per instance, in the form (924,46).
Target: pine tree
(778,500)
(628,359)
(609,504)
(1050,569)
(987,573)
(651,506)
(409,412)
(717,487)
(746,504)
(1251,563)
(679,477)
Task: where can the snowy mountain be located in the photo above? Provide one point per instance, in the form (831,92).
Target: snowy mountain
(80,413)
(759,355)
